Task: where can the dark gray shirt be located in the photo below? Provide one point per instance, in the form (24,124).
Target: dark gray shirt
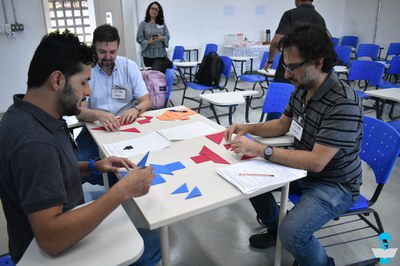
(38,169)
(332,117)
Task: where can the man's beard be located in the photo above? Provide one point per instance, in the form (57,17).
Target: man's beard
(68,101)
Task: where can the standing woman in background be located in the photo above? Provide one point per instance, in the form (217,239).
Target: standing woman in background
(153,35)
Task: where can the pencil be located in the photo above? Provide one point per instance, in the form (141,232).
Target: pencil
(179,111)
(254,174)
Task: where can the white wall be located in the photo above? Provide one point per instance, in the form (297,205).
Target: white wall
(191,23)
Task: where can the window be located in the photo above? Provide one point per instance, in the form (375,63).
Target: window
(75,15)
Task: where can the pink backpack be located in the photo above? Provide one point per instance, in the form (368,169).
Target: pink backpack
(157,87)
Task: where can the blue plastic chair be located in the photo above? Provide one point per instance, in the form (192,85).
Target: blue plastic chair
(393,50)
(343,53)
(335,41)
(178,55)
(392,72)
(379,149)
(225,71)
(210,47)
(169,77)
(349,40)
(370,72)
(368,50)
(276,98)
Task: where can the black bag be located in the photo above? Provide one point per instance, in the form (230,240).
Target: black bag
(161,65)
(209,73)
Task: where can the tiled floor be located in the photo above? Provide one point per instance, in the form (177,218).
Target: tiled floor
(220,237)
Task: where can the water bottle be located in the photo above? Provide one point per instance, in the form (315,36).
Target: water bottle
(268,35)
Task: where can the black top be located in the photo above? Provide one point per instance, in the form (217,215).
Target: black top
(302,13)
(38,169)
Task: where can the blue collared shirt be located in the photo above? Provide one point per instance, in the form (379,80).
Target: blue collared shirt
(125,76)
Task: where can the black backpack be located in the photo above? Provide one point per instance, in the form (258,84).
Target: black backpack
(209,72)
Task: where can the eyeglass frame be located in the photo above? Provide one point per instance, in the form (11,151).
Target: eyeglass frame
(293,67)
(155,9)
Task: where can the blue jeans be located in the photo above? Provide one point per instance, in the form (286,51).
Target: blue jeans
(88,149)
(319,203)
(152,250)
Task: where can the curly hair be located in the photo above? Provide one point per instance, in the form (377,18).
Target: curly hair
(160,17)
(58,51)
(313,43)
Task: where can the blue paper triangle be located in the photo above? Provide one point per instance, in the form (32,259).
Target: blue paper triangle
(161,169)
(181,189)
(158,179)
(194,193)
(174,166)
(143,162)
(123,173)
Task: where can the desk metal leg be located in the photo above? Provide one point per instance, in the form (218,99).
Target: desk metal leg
(282,214)
(164,240)
(248,101)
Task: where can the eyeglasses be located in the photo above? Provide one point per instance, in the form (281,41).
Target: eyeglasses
(293,67)
(155,9)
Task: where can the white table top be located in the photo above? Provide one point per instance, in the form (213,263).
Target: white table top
(392,94)
(282,141)
(73,122)
(228,98)
(159,208)
(187,64)
(340,69)
(269,72)
(114,242)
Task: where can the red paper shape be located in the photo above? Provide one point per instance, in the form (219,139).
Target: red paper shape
(200,159)
(99,128)
(211,156)
(245,157)
(227,146)
(132,129)
(217,137)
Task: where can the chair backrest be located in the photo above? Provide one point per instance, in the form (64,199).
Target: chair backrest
(394,49)
(343,53)
(226,70)
(370,71)
(179,52)
(350,41)
(169,77)
(211,47)
(394,66)
(265,58)
(277,97)
(380,147)
(335,41)
(368,50)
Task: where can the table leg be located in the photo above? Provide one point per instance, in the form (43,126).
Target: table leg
(164,241)
(282,214)
(246,116)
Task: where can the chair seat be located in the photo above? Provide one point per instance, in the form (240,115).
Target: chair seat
(395,124)
(360,203)
(197,86)
(362,95)
(252,78)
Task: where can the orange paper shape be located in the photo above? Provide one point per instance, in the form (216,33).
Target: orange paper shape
(177,115)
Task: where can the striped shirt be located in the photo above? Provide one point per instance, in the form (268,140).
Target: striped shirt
(145,32)
(332,117)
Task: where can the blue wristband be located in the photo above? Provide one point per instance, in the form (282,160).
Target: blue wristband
(91,165)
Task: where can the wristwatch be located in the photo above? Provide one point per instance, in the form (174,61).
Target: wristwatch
(268,152)
(137,107)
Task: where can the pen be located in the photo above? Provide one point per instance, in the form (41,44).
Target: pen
(179,111)
(254,174)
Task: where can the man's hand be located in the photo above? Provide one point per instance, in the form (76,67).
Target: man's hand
(136,182)
(108,121)
(112,164)
(238,129)
(128,116)
(243,145)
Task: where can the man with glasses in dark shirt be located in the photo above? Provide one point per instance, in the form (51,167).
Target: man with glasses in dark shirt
(325,116)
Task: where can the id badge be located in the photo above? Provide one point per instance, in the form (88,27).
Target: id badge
(119,94)
(296,130)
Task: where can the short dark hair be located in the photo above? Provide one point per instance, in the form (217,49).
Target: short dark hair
(58,51)
(160,17)
(313,43)
(105,33)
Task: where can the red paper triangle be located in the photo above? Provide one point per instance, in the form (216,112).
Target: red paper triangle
(200,159)
(245,157)
(132,129)
(217,137)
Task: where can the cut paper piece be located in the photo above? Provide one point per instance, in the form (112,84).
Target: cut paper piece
(123,173)
(158,179)
(161,169)
(187,131)
(227,146)
(217,137)
(175,166)
(99,128)
(200,159)
(181,189)
(142,162)
(132,129)
(169,116)
(146,119)
(194,193)
(246,157)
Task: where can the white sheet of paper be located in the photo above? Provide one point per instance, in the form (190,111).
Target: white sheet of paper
(141,145)
(249,184)
(187,131)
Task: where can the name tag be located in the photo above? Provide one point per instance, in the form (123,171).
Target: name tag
(296,130)
(119,94)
